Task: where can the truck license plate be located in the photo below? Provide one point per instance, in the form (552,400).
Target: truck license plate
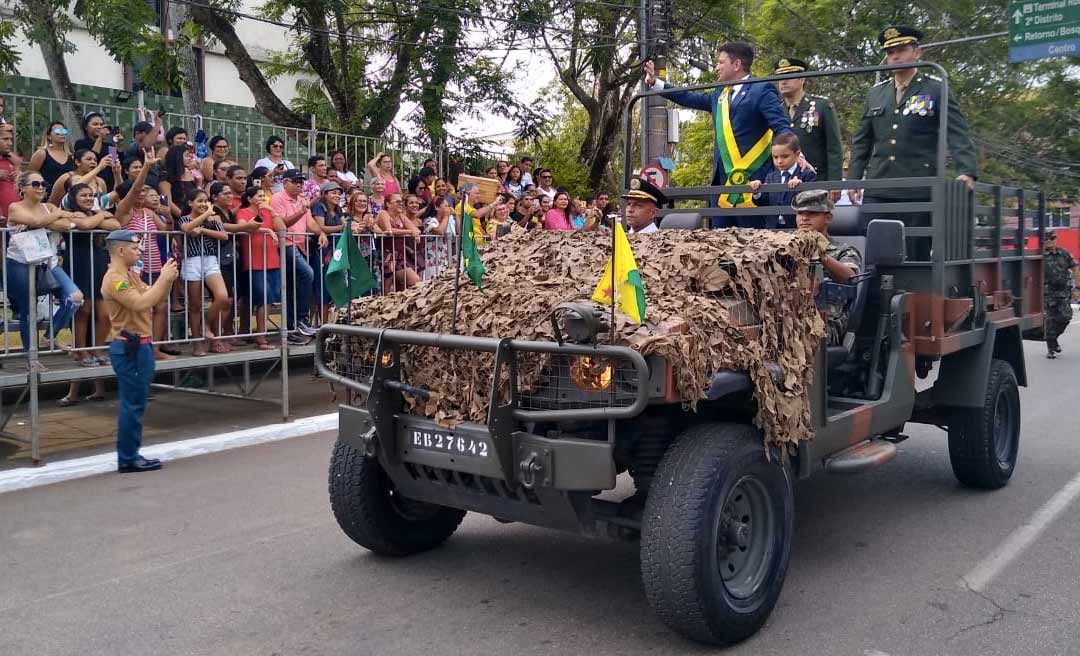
(457,445)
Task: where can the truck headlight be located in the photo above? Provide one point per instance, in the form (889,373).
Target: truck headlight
(591,374)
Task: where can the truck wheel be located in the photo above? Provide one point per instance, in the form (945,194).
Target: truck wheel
(716,534)
(373,515)
(984,442)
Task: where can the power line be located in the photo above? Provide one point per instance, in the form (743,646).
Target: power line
(370,40)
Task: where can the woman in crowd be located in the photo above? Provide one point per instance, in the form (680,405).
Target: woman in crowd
(275,162)
(377,199)
(339,171)
(179,183)
(558,217)
(399,252)
(382,167)
(137,211)
(438,236)
(54,158)
(87,171)
(98,139)
(513,183)
(260,177)
(221,173)
(365,228)
(219,152)
(317,177)
(328,214)
(28,214)
(232,271)
(85,263)
(203,233)
(260,256)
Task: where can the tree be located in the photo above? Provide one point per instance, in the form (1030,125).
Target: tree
(45,23)
(371,56)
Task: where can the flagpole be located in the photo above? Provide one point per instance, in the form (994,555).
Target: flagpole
(614,290)
(457,274)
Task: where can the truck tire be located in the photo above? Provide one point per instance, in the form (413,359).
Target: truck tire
(984,442)
(716,534)
(369,511)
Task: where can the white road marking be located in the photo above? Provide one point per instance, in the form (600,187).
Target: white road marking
(66,470)
(1022,538)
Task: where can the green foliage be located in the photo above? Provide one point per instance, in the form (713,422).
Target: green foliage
(694,156)
(9,56)
(559,149)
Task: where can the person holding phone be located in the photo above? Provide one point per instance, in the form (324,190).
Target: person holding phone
(275,162)
(99,140)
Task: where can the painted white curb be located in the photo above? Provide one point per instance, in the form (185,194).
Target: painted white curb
(66,470)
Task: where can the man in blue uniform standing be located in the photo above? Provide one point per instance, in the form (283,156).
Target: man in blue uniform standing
(746,117)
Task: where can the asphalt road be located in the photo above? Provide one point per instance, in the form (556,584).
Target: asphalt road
(237,553)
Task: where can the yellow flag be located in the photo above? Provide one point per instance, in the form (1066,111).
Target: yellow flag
(629,290)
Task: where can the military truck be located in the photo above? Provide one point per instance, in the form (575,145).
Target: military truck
(712,508)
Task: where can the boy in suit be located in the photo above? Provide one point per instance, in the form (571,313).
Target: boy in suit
(788,169)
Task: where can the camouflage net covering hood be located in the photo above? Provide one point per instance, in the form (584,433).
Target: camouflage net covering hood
(694,282)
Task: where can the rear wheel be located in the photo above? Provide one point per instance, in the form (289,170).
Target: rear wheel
(984,442)
(371,512)
(716,534)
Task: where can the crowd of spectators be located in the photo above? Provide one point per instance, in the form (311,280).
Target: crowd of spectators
(239,233)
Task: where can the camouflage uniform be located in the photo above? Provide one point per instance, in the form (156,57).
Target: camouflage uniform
(836,315)
(1057,292)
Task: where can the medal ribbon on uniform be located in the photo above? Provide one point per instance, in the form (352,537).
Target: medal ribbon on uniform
(737,166)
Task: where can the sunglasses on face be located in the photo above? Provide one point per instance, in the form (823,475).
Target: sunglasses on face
(277,145)
(36,184)
(60,132)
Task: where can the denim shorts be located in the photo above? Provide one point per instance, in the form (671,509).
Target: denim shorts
(199,267)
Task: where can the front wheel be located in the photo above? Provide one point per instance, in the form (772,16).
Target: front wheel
(371,512)
(716,534)
(984,442)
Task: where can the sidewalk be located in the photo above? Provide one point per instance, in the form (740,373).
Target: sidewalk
(90,428)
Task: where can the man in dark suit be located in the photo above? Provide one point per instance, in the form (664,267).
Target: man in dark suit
(745,115)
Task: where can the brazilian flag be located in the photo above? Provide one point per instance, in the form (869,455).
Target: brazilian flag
(348,276)
(474,266)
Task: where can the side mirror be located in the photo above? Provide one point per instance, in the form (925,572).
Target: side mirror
(885,244)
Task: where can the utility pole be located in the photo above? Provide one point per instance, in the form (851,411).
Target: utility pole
(656,42)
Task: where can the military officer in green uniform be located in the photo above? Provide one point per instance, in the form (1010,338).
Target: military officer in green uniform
(813,119)
(1059,273)
(898,132)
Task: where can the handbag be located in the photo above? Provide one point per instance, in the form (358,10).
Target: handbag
(44,280)
(31,246)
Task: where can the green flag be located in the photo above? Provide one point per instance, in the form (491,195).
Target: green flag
(348,276)
(474,266)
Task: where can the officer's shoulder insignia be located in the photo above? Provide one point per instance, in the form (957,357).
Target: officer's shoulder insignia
(932,77)
(883,82)
(121,285)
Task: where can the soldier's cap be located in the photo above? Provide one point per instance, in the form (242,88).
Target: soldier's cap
(814,200)
(123,235)
(898,35)
(791,65)
(643,189)
(293,174)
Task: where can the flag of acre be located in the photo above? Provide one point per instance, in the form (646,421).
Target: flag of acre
(348,276)
(629,290)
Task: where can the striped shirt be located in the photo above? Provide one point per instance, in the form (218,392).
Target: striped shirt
(197,246)
(142,221)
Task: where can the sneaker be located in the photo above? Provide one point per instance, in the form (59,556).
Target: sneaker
(1057,348)
(297,340)
(305,328)
(1051,355)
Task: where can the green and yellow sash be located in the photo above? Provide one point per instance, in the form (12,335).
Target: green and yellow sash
(737,166)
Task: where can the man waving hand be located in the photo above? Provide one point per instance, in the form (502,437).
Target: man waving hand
(745,115)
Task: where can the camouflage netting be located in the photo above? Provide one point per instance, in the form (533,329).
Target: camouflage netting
(693,281)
